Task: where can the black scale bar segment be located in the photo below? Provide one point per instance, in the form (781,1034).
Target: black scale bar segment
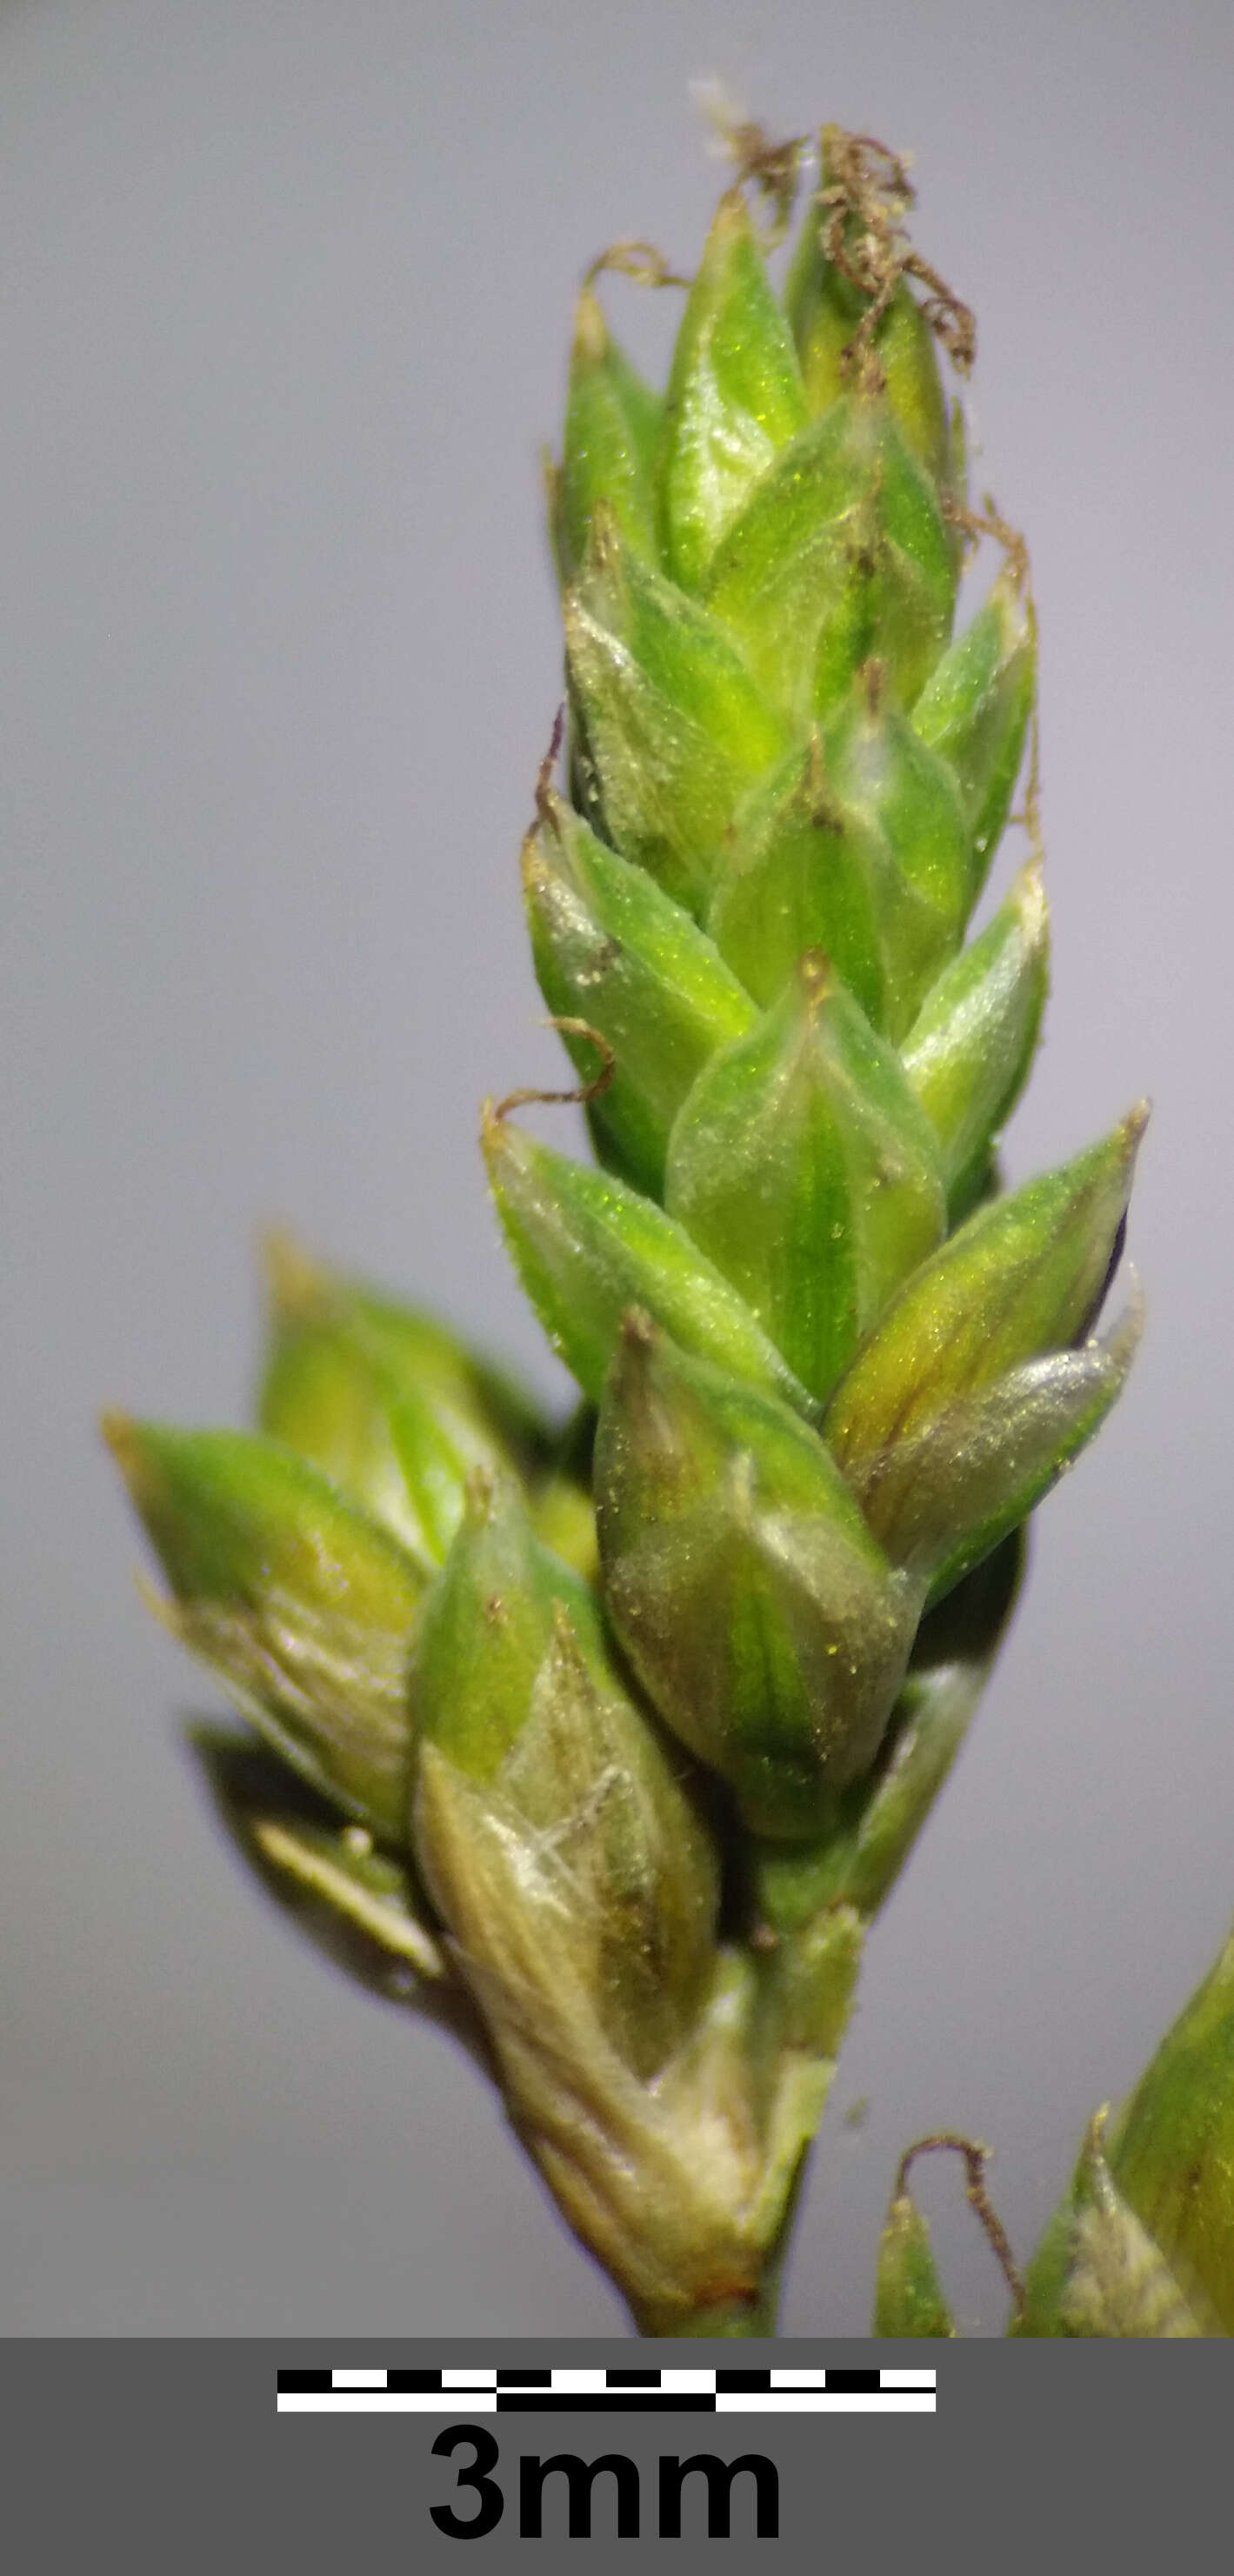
(743,2383)
(306,2383)
(855,2383)
(407,2383)
(524,2379)
(632,2378)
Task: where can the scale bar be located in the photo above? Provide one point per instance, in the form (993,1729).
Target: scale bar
(482,2389)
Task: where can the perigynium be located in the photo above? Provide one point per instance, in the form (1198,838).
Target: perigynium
(607,1740)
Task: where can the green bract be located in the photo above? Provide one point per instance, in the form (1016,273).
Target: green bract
(1143,2242)
(616,1733)
(909,2298)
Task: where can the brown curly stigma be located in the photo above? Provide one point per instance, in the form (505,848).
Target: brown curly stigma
(581,1094)
(1028,814)
(639,260)
(976,2157)
(988,521)
(863,205)
(773,170)
(546,812)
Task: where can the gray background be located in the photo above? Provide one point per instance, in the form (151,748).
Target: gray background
(283,312)
(317,2497)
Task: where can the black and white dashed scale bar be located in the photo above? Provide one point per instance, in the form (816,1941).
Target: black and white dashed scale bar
(469,2389)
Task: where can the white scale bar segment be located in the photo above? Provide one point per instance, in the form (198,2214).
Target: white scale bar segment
(400,2401)
(470,2376)
(837,2401)
(358,2378)
(818,2378)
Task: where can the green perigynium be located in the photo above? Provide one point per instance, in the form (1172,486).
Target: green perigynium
(617,1734)
(767,1626)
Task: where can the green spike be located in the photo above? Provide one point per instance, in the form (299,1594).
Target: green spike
(612,949)
(968,1053)
(586,1247)
(802,1166)
(752,1602)
(303,1605)
(734,394)
(747,910)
